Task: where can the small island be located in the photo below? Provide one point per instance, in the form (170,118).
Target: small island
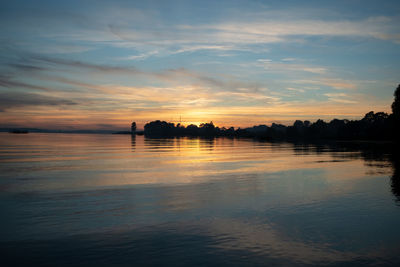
(18,131)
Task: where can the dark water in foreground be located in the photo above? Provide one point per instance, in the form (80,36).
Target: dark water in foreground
(69,199)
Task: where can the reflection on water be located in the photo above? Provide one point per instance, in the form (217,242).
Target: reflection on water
(395,179)
(133,142)
(72,199)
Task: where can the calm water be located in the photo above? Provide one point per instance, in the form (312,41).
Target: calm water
(71,199)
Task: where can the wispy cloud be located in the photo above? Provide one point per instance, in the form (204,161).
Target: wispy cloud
(178,76)
(229,34)
(10,84)
(15,99)
(287,66)
(194,48)
(141,56)
(296,89)
(233,35)
(340,98)
(375,27)
(335,83)
(81,64)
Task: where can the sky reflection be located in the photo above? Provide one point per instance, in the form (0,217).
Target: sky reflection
(196,201)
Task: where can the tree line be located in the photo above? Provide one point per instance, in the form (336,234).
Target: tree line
(373,126)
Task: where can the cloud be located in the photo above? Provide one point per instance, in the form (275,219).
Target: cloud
(82,65)
(340,98)
(339,84)
(244,35)
(26,67)
(13,99)
(221,83)
(256,31)
(296,90)
(141,56)
(248,97)
(235,35)
(10,84)
(179,76)
(335,83)
(284,66)
(194,48)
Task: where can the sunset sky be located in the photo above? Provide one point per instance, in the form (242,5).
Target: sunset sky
(102,64)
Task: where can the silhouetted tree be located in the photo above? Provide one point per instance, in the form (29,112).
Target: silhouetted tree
(133,127)
(192,130)
(208,126)
(180,130)
(159,128)
(395,118)
(318,129)
(396,103)
(298,124)
(207,129)
(296,131)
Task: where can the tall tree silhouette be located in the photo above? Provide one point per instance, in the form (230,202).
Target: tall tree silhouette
(396,103)
(133,127)
(396,113)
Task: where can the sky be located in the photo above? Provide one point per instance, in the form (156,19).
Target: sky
(103,64)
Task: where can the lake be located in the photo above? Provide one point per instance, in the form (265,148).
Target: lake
(83,199)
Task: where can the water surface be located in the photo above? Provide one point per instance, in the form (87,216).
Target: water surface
(75,199)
